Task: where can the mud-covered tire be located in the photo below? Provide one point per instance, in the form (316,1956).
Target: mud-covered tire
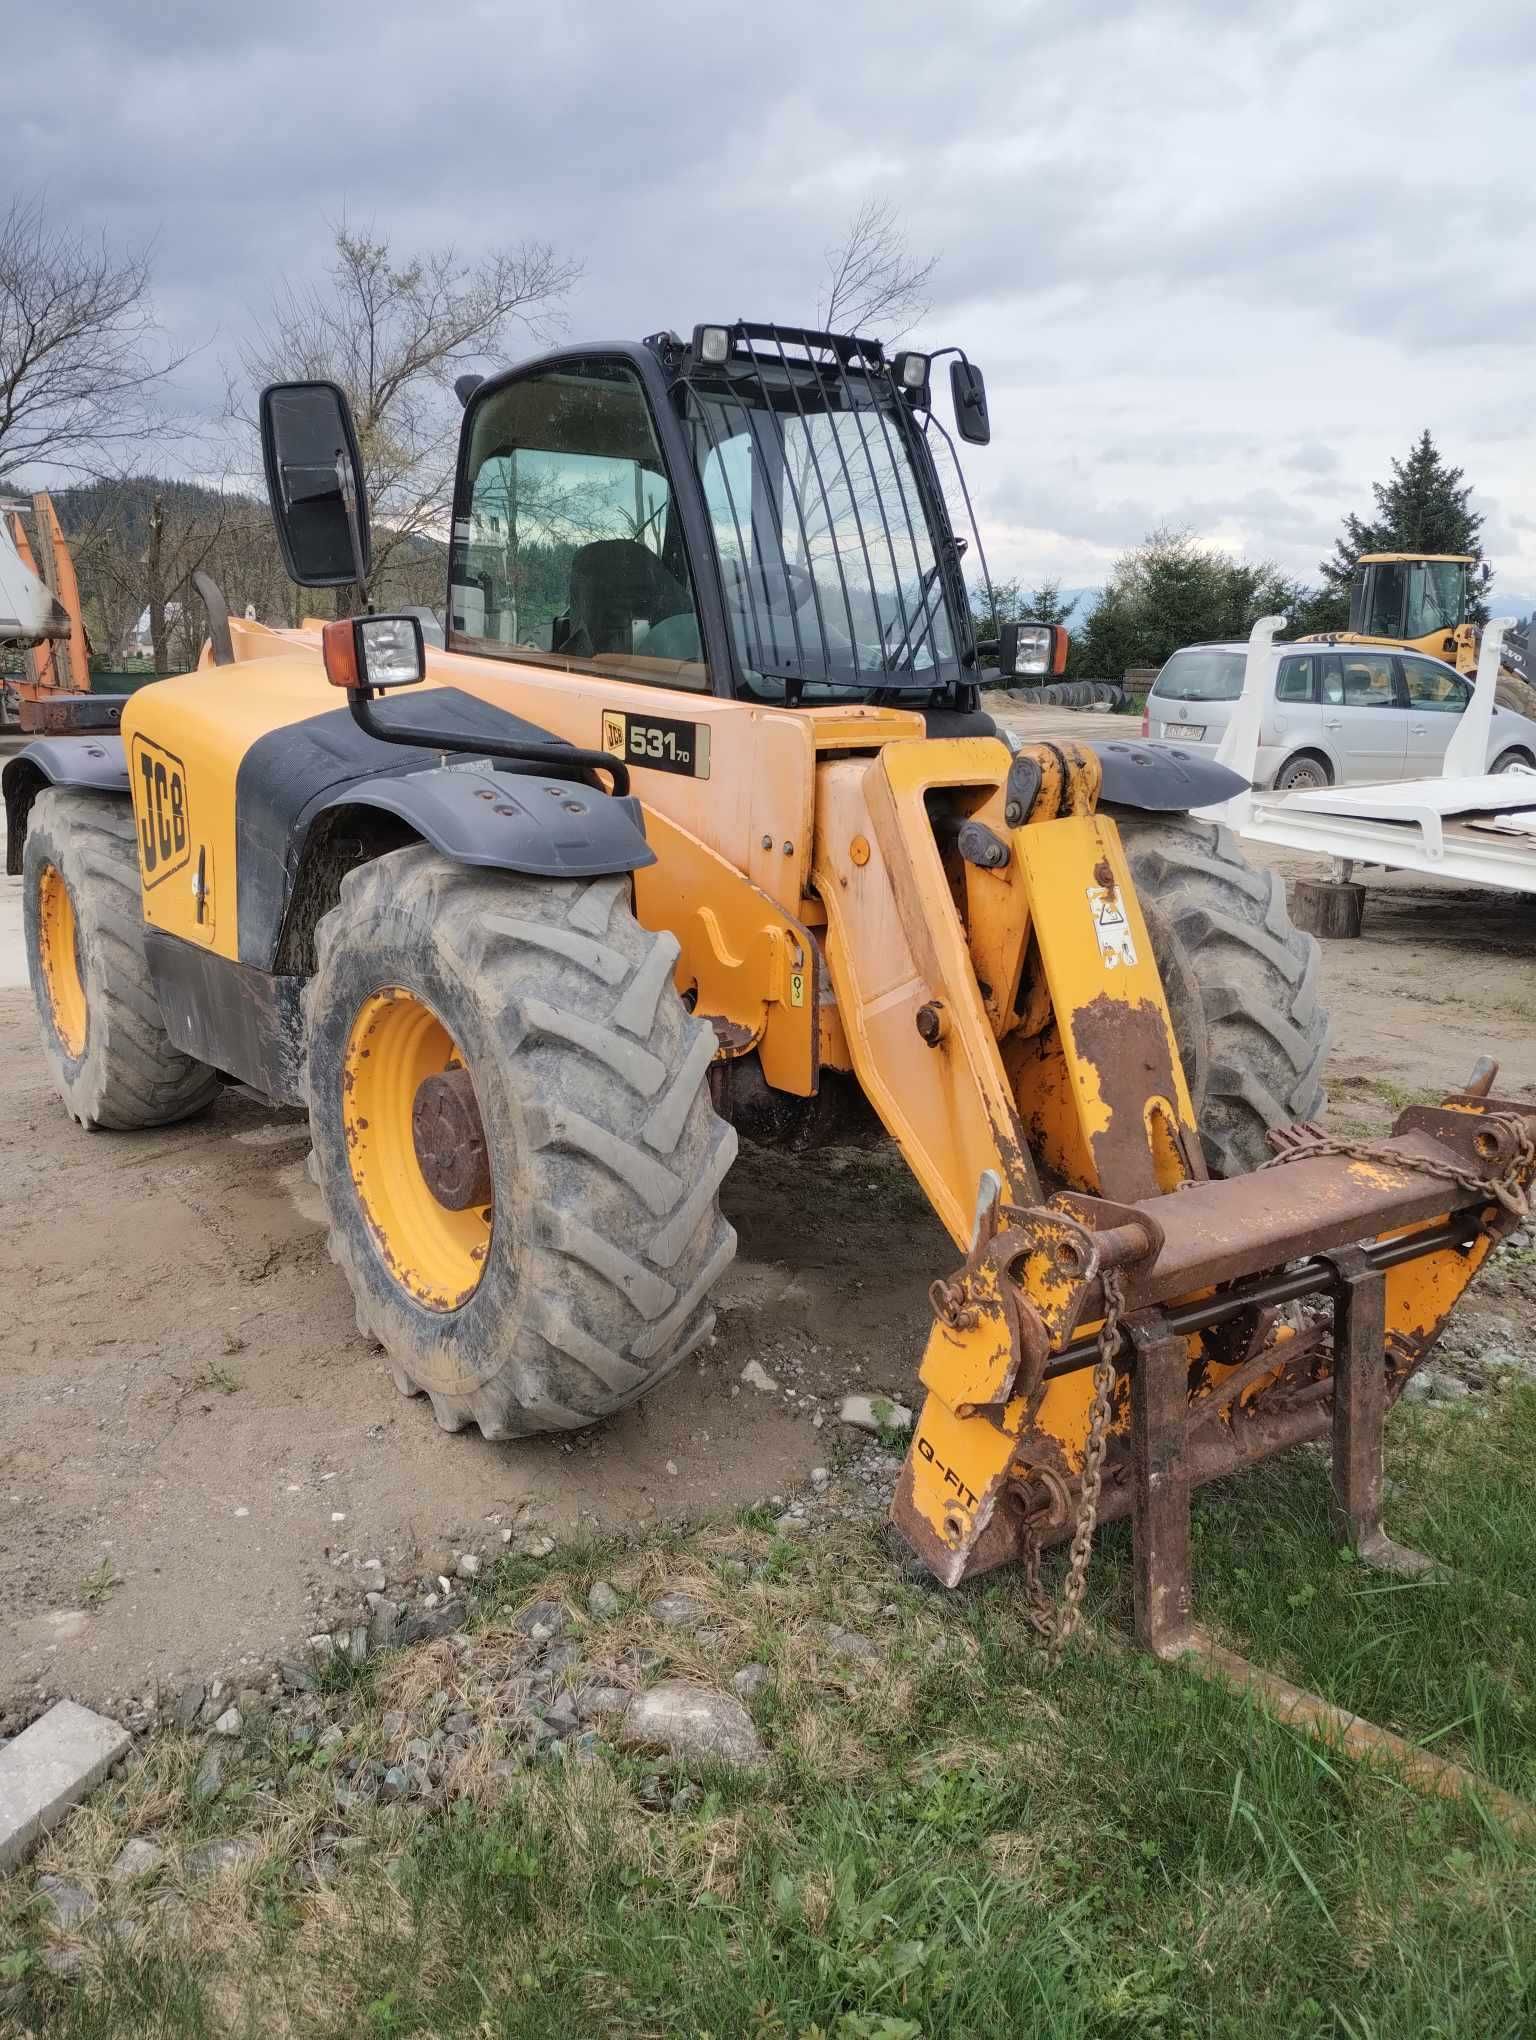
(126,1072)
(605,1153)
(1241,982)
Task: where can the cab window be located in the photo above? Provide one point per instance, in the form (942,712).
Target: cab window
(567,546)
(1432,687)
(1368,681)
(1297,681)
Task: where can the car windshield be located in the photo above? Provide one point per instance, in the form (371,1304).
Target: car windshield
(1201,674)
(831,576)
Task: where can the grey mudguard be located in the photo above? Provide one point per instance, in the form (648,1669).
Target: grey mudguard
(1161,778)
(549,828)
(98,764)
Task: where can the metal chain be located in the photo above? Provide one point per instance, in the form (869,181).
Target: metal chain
(1057,1623)
(1511,1188)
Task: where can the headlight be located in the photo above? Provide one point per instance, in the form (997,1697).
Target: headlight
(1034,648)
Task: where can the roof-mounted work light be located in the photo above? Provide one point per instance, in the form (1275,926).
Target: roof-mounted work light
(712,344)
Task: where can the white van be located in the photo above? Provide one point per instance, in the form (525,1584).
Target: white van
(1339,714)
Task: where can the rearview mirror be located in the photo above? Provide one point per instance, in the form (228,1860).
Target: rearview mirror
(969,392)
(315,484)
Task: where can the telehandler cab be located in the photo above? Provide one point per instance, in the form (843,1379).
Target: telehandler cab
(698,824)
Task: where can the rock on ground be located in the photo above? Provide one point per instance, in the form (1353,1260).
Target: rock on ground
(136,1859)
(677,1610)
(224,1852)
(875,1413)
(49,1767)
(67,1903)
(691,1721)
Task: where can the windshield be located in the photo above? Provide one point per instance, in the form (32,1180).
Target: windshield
(1201,675)
(1434,597)
(828,563)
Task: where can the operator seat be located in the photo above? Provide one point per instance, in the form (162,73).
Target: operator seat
(614,581)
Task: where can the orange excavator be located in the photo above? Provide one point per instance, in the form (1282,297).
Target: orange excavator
(54,691)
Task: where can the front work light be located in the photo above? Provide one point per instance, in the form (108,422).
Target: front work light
(367,652)
(1029,651)
(911,371)
(712,344)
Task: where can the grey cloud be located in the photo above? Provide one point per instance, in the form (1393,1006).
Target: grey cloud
(1212,271)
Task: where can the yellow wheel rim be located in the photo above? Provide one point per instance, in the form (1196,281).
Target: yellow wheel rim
(435,1254)
(58,941)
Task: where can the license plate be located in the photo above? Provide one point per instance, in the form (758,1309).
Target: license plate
(660,741)
(1189,731)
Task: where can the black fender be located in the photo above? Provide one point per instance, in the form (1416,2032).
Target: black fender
(1161,778)
(96,764)
(528,822)
(524,822)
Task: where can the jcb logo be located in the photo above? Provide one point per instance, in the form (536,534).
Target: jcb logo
(160,797)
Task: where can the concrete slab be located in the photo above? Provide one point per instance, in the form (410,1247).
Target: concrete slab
(48,1768)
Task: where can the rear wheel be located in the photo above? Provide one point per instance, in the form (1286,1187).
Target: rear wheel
(1508,761)
(103,1035)
(1241,984)
(514,1139)
(1304,774)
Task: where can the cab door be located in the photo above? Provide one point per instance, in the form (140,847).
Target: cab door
(1365,714)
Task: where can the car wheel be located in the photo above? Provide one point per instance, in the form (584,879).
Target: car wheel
(1508,760)
(1302,775)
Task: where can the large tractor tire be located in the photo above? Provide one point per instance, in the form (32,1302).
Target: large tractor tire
(1241,983)
(514,1138)
(103,1035)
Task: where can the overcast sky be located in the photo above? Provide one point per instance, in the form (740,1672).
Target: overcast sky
(1219,262)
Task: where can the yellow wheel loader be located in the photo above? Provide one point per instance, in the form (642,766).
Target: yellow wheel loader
(697,826)
(1421,602)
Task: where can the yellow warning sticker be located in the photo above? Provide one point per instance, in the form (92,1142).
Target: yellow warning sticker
(1116,944)
(797,988)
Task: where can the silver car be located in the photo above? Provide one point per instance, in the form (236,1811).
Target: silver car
(1339,714)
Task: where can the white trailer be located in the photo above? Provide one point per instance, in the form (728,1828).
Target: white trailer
(1474,828)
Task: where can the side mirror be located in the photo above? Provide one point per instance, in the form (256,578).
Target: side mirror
(969,393)
(367,653)
(1031,651)
(315,484)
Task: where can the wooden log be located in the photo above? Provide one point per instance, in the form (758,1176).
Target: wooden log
(1328,908)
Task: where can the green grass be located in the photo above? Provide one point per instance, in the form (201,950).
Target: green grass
(960,1840)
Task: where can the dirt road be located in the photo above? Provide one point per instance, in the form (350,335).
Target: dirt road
(198,1449)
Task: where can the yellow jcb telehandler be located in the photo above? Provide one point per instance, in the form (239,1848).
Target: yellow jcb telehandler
(697,823)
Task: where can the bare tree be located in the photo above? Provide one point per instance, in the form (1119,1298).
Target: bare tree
(131,563)
(393,333)
(79,349)
(874,284)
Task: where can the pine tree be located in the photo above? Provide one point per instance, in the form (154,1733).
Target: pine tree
(1423,508)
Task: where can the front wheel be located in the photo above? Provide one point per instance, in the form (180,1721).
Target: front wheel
(1240,980)
(514,1138)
